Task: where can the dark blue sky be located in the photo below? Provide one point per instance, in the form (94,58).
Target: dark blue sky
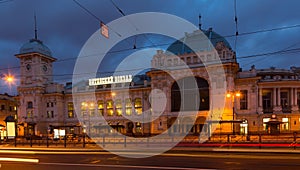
(64,27)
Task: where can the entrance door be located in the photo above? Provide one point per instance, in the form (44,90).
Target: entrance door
(274,128)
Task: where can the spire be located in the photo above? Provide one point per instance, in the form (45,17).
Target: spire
(200,23)
(35,27)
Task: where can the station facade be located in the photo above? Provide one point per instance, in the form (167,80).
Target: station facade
(256,100)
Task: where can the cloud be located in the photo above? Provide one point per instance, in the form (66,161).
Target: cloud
(64,27)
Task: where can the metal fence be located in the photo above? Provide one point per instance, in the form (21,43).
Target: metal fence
(291,138)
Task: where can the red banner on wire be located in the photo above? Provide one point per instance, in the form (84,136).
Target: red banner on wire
(104,30)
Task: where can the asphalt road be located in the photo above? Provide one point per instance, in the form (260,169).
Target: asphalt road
(172,160)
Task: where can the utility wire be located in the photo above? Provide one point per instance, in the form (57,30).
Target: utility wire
(294,50)
(166,44)
(94,16)
(123,14)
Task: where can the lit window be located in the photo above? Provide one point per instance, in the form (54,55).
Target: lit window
(110,108)
(128,106)
(119,107)
(101,107)
(138,106)
(29,114)
(285,124)
(265,120)
(70,110)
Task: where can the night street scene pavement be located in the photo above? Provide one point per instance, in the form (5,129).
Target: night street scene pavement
(137,84)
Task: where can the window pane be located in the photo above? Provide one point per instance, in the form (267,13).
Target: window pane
(101,107)
(138,106)
(243,100)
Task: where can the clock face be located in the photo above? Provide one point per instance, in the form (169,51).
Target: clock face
(28,67)
(45,68)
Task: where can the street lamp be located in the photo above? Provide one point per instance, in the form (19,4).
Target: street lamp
(232,95)
(8,78)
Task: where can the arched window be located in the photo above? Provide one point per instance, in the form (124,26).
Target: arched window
(184,98)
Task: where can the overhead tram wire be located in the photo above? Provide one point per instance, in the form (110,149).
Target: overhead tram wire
(94,16)
(165,44)
(286,48)
(295,50)
(123,14)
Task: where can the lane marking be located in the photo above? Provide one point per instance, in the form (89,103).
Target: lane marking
(124,166)
(20,160)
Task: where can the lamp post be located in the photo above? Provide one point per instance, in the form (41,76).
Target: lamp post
(232,95)
(48,132)
(88,108)
(84,132)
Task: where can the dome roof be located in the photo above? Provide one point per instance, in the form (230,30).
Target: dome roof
(35,45)
(198,40)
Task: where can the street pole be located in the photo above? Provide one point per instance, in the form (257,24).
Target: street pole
(84,140)
(47,138)
(233,117)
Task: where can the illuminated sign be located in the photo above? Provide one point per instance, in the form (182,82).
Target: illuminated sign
(11,129)
(110,80)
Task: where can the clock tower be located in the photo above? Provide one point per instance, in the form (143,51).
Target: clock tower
(36,64)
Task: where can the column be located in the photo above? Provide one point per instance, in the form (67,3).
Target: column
(260,97)
(274,97)
(292,96)
(294,100)
(295,96)
(278,97)
(259,109)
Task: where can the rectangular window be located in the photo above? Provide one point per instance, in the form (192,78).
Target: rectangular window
(267,100)
(29,105)
(10,108)
(29,114)
(284,101)
(138,106)
(243,100)
(70,110)
(265,125)
(128,106)
(110,108)
(285,124)
(50,114)
(101,107)
(119,107)
(3,107)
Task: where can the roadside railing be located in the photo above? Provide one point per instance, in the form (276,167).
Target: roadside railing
(291,138)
